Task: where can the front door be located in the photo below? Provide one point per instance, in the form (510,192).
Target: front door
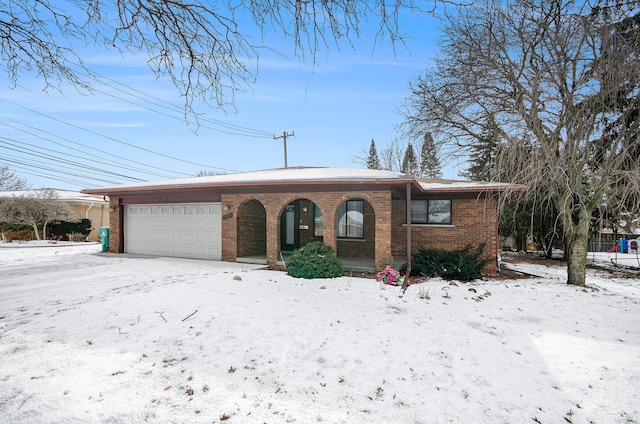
(288,227)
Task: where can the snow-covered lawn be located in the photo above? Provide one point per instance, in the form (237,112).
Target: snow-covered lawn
(91,338)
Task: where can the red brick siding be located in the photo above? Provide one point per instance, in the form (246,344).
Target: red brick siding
(365,247)
(328,202)
(252,235)
(116,243)
(473,221)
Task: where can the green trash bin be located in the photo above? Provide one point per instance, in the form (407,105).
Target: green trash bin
(104,238)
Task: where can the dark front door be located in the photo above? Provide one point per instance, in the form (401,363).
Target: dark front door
(289,235)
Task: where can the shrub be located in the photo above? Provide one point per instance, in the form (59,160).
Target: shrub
(462,264)
(61,229)
(76,237)
(18,235)
(315,260)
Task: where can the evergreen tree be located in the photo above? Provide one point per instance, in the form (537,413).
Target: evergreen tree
(429,161)
(373,161)
(410,161)
(483,154)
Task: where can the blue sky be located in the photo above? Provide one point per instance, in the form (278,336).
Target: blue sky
(334,109)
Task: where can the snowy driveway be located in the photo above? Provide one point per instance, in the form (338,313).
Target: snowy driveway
(105,338)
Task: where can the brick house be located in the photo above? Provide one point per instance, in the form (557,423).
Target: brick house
(256,216)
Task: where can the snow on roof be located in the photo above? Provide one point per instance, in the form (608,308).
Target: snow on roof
(274,175)
(308,174)
(437,184)
(66,195)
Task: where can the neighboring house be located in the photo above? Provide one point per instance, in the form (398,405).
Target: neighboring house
(94,208)
(256,216)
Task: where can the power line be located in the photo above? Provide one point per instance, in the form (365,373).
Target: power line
(89,154)
(112,138)
(31,152)
(239,130)
(46,168)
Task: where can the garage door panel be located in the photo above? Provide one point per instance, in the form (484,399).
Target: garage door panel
(192,231)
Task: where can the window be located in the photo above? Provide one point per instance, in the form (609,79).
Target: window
(431,211)
(351,219)
(318,222)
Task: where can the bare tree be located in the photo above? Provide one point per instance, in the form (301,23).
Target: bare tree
(392,155)
(561,80)
(36,209)
(208,50)
(9,181)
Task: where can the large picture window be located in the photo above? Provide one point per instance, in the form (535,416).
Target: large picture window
(351,219)
(431,211)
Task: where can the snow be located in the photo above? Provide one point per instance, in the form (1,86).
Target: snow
(66,195)
(103,338)
(273,175)
(301,173)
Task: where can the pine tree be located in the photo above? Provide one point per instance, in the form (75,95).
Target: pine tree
(410,162)
(429,161)
(483,153)
(373,161)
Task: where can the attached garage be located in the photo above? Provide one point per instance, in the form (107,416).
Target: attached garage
(181,230)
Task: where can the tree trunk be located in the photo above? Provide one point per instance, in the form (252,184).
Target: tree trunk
(576,270)
(35,229)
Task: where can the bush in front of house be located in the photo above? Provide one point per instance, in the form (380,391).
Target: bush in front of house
(462,264)
(315,260)
(18,235)
(60,230)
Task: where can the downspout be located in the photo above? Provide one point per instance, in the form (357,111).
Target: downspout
(405,284)
(86,216)
(86,213)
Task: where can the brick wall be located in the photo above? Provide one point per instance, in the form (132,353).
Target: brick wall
(365,247)
(251,229)
(116,244)
(328,202)
(473,221)
(251,225)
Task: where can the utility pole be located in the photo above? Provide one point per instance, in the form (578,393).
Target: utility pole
(284,138)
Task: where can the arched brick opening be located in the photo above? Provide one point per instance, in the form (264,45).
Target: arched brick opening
(251,229)
(301,222)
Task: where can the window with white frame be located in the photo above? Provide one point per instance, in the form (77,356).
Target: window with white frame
(351,219)
(436,211)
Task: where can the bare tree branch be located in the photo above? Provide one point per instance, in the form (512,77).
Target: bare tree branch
(562,83)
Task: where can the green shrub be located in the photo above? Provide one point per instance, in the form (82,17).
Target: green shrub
(315,260)
(9,226)
(462,264)
(61,229)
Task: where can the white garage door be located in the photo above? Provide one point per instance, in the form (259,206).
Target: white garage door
(182,230)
